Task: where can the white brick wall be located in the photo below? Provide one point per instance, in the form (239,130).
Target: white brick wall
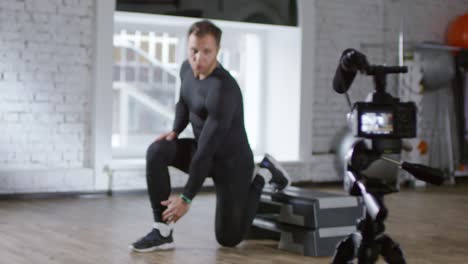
(341,24)
(45,83)
(45,180)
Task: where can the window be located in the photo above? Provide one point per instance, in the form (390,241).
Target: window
(148,52)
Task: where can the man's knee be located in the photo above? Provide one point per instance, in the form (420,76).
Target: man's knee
(158,150)
(229,238)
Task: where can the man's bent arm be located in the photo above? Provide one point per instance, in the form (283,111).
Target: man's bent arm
(221,108)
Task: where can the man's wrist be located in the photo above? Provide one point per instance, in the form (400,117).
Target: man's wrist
(185,199)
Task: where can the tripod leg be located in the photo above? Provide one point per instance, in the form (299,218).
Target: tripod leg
(347,248)
(391,251)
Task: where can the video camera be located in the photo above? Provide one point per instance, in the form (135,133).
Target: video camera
(385,116)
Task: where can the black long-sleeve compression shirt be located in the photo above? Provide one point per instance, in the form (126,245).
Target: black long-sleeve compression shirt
(214,108)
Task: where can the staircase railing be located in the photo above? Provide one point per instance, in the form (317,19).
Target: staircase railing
(130,90)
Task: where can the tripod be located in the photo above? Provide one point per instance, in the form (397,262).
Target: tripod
(369,241)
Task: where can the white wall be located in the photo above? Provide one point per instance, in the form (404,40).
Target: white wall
(282,92)
(103,60)
(47,72)
(307,25)
(329,27)
(340,25)
(46,50)
(56,60)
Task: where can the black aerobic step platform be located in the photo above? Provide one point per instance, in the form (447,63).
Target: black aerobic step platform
(306,221)
(312,209)
(308,242)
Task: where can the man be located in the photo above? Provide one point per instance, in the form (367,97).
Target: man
(211,100)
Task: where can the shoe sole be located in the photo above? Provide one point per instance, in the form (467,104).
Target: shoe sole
(278,166)
(151,249)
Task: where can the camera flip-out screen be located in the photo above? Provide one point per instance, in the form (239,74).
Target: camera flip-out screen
(373,120)
(377,123)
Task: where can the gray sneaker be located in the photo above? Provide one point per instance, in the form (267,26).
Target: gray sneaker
(279,177)
(153,241)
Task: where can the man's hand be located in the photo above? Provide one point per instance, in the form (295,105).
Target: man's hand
(167,136)
(176,208)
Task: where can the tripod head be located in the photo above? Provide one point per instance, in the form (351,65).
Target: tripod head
(360,158)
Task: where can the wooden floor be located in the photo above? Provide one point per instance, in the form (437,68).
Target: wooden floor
(430,224)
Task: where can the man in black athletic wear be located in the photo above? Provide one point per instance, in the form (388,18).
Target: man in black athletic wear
(211,101)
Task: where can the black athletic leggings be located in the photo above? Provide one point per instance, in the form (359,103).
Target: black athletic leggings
(237,196)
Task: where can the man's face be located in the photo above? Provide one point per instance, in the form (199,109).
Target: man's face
(202,53)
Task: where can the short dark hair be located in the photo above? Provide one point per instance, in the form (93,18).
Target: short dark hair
(205,27)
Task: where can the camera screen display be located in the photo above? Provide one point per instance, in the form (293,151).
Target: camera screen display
(377,123)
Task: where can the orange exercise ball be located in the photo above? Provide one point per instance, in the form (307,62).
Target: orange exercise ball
(457,34)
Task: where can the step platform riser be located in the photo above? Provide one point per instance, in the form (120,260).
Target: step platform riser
(305,221)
